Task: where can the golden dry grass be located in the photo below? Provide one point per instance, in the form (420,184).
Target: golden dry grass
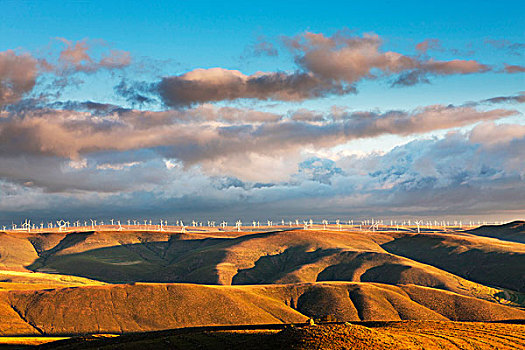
(144,307)
(251,278)
(380,335)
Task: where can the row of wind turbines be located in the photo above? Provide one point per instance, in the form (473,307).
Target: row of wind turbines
(179,225)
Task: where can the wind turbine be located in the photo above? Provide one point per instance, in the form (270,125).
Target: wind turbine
(238,224)
(27,225)
(61,224)
(418,222)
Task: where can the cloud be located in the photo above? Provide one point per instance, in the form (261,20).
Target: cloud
(429,44)
(261,47)
(438,68)
(515,49)
(135,93)
(411,78)
(116,166)
(491,134)
(210,136)
(200,156)
(327,65)
(520,98)
(318,169)
(218,84)
(18,73)
(343,57)
(513,68)
(348,58)
(76,56)
(457,175)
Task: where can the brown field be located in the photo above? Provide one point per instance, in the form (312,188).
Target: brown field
(107,281)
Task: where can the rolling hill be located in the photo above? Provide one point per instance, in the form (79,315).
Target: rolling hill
(145,307)
(103,281)
(513,231)
(365,336)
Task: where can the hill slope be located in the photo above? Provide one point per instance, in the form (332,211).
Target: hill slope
(512,231)
(484,260)
(379,335)
(143,307)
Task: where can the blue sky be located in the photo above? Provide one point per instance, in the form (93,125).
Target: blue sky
(153,48)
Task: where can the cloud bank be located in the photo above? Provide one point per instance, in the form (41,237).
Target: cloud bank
(327,65)
(183,144)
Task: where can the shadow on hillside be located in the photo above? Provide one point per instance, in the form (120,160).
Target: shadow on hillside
(272,268)
(177,260)
(487,266)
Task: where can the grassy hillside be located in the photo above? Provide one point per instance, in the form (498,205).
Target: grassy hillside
(370,336)
(231,278)
(512,231)
(284,257)
(143,307)
(488,261)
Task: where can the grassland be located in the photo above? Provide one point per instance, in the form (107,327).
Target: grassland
(116,282)
(367,336)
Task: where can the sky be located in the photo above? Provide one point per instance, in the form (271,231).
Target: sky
(296,109)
